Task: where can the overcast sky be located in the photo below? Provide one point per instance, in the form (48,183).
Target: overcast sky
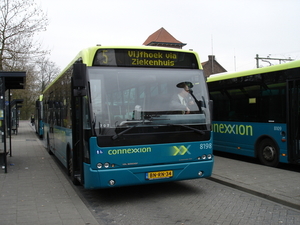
(232,30)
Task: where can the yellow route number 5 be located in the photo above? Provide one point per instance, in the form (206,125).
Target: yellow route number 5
(105,57)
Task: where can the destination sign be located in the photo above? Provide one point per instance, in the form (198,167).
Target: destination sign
(145,58)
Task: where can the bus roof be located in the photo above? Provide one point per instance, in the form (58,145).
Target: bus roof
(87,55)
(225,76)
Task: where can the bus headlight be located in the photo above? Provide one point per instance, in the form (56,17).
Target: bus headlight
(99,165)
(106,165)
(209,156)
(203,157)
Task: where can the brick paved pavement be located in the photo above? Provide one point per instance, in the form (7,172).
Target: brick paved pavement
(35,191)
(282,186)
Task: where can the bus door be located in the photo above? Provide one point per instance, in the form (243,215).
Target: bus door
(293,108)
(78,93)
(51,123)
(77,140)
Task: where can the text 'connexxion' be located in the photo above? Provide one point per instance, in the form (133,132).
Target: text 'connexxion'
(237,129)
(129,151)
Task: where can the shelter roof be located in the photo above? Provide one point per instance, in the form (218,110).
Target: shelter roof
(14,80)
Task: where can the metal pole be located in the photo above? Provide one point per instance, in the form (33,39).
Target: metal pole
(4,128)
(257,64)
(9,122)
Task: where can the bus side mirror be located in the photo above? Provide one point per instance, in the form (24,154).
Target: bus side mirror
(79,79)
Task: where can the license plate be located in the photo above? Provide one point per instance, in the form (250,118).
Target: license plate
(159,175)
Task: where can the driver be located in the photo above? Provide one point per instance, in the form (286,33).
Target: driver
(182,101)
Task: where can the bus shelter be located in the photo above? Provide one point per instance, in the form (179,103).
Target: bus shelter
(14,113)
(8,81)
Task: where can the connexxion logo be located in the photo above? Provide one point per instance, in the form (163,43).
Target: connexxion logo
(180,150)
(129,151)
(237,129)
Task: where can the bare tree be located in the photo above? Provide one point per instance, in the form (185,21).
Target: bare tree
(30,94)
(47,71)
(19,21)
(38,76)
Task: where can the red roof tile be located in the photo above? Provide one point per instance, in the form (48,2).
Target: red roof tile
(162,36)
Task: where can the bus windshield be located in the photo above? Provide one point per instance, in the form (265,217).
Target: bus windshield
(124,97)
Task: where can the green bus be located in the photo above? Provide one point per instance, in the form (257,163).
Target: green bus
(112,120)
(257,113)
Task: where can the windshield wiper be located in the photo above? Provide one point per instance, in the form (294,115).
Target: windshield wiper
(191,128)
(116,136)
(136,122)
(133,122)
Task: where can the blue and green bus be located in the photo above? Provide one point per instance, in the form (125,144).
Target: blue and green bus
(257,113)
(112,119)
(39,113)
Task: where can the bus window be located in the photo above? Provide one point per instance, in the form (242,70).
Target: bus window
(125,91)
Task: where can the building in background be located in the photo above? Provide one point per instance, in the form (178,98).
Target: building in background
(212,66)
(163,38)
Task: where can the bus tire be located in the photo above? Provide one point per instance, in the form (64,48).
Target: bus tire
(268,153)
(48,146)
(71,169)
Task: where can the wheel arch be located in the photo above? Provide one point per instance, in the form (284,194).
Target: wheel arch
(267,151)
(260,139)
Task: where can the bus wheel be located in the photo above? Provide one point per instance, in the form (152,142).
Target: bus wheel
(71,169)
(268,153)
